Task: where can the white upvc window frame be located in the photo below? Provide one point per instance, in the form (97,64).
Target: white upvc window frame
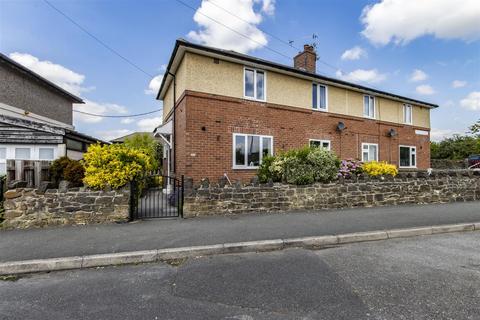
(412,151)
(317,106)
(321,143)
(374,106)
(255,70)
(246,135)
(407,106)
(3,162)
(368,148)
(34,151)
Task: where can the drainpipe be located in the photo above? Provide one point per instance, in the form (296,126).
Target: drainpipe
(173,120)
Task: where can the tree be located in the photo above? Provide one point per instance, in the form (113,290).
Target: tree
(475,129)
(148,145)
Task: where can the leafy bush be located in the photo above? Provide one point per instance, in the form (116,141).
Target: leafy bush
(65,168)
(74,173)
(455,148)
(375,168)
(300,166)
(114,165)
(350,168)
(148,145)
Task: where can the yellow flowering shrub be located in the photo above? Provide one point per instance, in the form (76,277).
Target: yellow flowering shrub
(114,165)
(374,168)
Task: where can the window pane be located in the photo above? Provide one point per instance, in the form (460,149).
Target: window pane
(323,97)
(260,85)
(371,108)
(253,151)
(365,106)
(404,157)
(365,157)
(22,153)
(266,146)
(45,153)
(3,153)
(326,145)
(314,96)
(314,143)
(239,150)
(372,152)
(249,83)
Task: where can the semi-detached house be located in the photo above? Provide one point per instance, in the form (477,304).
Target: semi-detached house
(224,111)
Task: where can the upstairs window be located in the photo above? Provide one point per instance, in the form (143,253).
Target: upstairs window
(254,84)
(407,114)
(369,152)
(45,153)
(249,150)
(408,157)
(319,97)
(320,144)
(369,107)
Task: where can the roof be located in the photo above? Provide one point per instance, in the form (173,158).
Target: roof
(181,43)
(133,134)
(83,137)
(35,76)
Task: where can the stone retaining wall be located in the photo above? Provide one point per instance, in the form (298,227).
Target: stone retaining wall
(448,164)
(406,188)
(25,208)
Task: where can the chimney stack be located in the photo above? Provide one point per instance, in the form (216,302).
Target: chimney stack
(306,60)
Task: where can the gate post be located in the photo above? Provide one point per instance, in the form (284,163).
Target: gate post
(133,198)
(182,197)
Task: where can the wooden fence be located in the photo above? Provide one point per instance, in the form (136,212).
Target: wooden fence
(31,171)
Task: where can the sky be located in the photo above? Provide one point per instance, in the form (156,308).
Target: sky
(113,53)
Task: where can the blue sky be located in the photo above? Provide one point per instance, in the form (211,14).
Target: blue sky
(429,51)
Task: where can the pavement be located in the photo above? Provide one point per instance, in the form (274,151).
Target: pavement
(45,243)
(431,277)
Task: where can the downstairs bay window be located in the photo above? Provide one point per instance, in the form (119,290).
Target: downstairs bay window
(249,150)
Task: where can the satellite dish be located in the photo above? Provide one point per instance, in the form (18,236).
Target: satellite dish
(392,133)
(340,126)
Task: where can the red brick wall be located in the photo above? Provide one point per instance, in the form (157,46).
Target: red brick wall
(206,123)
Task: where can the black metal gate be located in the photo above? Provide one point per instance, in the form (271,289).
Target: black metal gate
(157,196)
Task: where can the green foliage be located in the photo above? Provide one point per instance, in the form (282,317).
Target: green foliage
(300,166)
(65,168)
(74,173)
(455,148)
(114,165)
(148,145)
(475,129)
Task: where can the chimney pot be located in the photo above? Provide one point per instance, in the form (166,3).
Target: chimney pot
(306,60)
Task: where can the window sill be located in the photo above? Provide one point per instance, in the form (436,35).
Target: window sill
(320,110)
(244,168)
(254,99)
(367,117)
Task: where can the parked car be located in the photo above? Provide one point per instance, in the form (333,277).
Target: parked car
(474,161)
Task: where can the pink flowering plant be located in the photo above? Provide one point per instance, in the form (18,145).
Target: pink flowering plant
(350,168)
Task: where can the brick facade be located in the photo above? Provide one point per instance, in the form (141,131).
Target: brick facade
(205,124)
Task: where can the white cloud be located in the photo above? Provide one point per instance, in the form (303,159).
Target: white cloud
(361,75)
(459,84)
(113,134)
(214,34)
(440,134)
(418,75)
(61,76)
(472,101)
(96,108)
(425,89)
(401,21)
(149,124)
(354,53)
(127,120)
(154,85)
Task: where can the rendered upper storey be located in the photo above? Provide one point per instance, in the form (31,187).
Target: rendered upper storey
(220,72)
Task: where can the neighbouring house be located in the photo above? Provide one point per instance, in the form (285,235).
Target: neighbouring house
(224,111)
(131,135)
(36,118)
